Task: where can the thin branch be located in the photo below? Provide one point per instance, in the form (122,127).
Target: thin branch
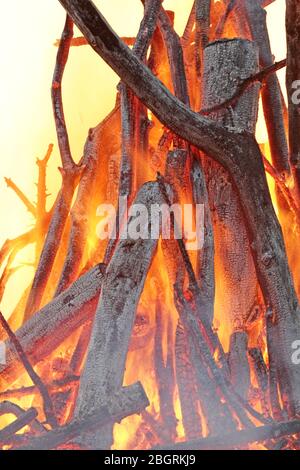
(30,207)
(48,405)
(81,41)
(57,101)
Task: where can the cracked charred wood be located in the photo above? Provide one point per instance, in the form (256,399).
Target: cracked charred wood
(273,352)
(218,375)
(126,402)
(262,377)
(236,60)
(239,438)
(238,363)
(235,149)
(123,284)
(165,374)
(49,327)
(205,269)
(271,95)
(292,78)
(216,413)
(175,56)
(175,176)
(202,14)
(186,381)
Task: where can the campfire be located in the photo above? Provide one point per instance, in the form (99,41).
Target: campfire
(163,312)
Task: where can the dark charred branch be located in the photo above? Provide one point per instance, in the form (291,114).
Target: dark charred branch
(262,377)
(47,402)
(7,407)
(271,95)
(165,375)
(205,271)
(23,420)
(187,388)
(57,101)
(231,4)
(70,175)
(186,37)
(292,79)
(175,56)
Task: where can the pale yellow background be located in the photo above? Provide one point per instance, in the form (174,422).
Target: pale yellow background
(28,31)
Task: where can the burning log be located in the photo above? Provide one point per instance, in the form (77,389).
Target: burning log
(121,290)
(271,96)
(239,438)
(165,376)
(186,382)
(49,327)
(127,401)
(205,270)
(261,373)
(292,78)
(199,349)
(238,363)
(231,238)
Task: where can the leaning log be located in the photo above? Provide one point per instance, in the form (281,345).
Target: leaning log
(49,327)
(128,401)
(226,63)
(123,284)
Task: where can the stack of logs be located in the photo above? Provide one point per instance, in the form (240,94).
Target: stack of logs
(80,318)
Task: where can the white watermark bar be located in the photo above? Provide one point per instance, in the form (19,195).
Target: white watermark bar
(142,222)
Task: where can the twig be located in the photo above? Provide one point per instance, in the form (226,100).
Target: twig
(48,405)
(30,207)
(258,77)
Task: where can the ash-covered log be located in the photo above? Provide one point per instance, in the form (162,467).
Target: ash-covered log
(126,402)
(49,327)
